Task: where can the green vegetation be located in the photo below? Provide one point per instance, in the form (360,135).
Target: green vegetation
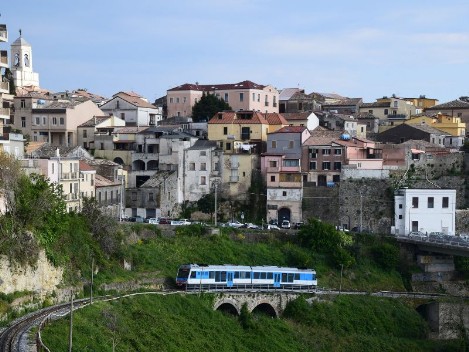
(188,323)
(208,106)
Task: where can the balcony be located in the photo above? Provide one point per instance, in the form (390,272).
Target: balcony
(234,178)
(4,58)
(5,87)
(69,176)
(71,196)
(3,33)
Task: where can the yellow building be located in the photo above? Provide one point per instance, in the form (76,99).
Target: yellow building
(422,102)
(242,135)
(446,123)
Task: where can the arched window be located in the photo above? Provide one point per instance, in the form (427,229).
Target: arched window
(26,60)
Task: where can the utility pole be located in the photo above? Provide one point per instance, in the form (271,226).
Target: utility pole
(92,276)
(361,211)
(341,271)
(216,186)
(70,336)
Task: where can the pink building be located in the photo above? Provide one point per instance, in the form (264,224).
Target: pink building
(244,95)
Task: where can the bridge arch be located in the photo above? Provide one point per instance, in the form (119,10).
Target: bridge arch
(265,308)
(227,305)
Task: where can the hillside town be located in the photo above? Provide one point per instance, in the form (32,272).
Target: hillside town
(279,154)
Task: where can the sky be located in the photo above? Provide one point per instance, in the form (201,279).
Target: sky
(366,49)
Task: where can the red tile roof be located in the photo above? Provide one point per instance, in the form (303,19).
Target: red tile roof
(257,117)
(291,129)
(212,87)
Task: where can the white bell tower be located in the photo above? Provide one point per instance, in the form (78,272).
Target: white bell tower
(22,64)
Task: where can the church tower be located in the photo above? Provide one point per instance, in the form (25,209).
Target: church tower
(22,64)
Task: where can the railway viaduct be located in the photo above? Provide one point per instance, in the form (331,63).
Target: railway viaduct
(272,304)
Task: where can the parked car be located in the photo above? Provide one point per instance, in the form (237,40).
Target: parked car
(418,235)
(250,225)
(136,219)
(164,221)
(236,224)
(154,221)
(285,224)
(180,222)
(272,227)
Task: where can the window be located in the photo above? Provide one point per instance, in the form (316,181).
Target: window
(312,165)
(228,145)
(150,197)
(85,133)
(337,165)
(184,99)
(245,133)
(400,216)
(54,120)
(291,162)
(226,97)
(326,165)
(336,178)
(326,152)
(37,122)
(445,203)
(415,202)
(386,112)
(266,100)
(23,103)
(203,180)
(291,144)
(44,120)
(117,104)
(274,144)
(370,111)
(62,121)
(337,151)
(272,178)
(258,97)
(225,130)
(171,100)
(284,193)
(177,100)
(395,103)
(203,167)
(430,202)
(400,206)
(241,96)
(415,226)
(192,166)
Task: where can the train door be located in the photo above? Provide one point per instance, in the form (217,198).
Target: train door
(229,278)
(277,278)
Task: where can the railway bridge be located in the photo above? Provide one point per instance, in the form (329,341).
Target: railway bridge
(272,304)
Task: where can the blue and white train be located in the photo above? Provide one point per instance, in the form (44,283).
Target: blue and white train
(237,277)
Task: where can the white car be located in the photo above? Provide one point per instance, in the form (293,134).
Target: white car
(235,224)
(285,224)
(154,221)
(180,222)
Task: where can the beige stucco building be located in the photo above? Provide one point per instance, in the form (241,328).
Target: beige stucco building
(244,95)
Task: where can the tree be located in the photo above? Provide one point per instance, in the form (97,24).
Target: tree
(206,204)
(207,107)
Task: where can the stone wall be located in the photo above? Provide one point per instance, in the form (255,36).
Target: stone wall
(321,203)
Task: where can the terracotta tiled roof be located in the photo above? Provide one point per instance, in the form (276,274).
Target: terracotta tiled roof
(291,129)
(212,87)
(85,166)
(134,100)
(454,104)
(101,181)
(228,117)
(321,136)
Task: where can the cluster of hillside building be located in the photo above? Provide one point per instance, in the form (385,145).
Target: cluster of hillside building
(148,159)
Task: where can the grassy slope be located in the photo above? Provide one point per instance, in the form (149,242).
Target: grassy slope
(187,323)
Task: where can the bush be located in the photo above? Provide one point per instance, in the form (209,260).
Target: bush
(385,255)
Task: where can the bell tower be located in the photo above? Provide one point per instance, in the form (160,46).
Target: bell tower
(22,64)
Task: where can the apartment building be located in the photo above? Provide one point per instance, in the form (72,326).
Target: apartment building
(245,95)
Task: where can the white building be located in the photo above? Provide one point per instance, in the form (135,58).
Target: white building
(425,210)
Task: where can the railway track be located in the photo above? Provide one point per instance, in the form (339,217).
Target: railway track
(11,337)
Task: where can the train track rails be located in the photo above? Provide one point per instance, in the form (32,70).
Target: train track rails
(11,337)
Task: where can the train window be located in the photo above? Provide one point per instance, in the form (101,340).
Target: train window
(287,277)
(248,275)
(193,274)
(245,275)
(236,275)
(212,275)
(183,273)
(284,277)
(217,276)
(223,276)
(270,276)
(256,275)
(297,276)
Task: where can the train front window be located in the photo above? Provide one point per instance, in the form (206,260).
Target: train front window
(193,274)
(183,273)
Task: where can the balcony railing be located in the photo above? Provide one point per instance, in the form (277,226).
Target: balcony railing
(69,176)
(71,196)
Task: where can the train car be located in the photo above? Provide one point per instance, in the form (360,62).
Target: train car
(238,277)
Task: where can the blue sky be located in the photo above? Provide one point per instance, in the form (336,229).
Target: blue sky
(362,49)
